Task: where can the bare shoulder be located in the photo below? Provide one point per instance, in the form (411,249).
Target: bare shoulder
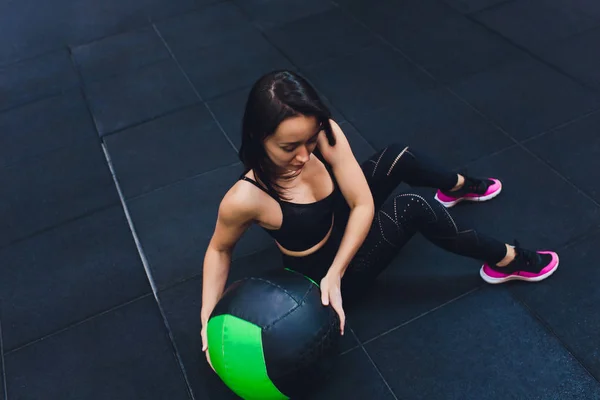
(237,211)
(239,205)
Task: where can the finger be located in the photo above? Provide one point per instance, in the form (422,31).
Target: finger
(342,316)
(337,307)
(204,341)
(209,361)
(324,297)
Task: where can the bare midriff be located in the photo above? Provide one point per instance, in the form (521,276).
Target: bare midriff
(304,253)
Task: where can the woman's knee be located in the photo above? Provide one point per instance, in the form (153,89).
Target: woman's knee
(396,148)
(380,164)
(396,157)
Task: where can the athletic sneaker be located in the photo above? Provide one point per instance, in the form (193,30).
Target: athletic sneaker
(531,266)
(472,190)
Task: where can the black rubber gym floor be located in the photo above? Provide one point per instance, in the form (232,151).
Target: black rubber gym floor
(119,125)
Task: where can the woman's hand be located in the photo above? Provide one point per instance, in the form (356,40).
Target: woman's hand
(205,344)
(331,294)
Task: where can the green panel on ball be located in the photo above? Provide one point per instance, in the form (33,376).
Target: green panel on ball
(236,353)
(307,277)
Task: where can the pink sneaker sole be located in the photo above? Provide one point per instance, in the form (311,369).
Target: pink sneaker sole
(493,191)
(494,277)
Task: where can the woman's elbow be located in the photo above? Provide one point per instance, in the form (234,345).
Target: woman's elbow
(365,204)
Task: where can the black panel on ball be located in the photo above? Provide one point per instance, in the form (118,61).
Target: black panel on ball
(265,299)
(299,349)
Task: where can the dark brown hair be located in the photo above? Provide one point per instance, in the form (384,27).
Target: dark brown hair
(275,97)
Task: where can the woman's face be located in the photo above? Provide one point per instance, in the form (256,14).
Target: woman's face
(293,142)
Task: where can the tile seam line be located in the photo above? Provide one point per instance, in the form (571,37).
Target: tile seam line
(142,255)
(172,285)
(101,136)
(108,206)
(472,17)
(261,31)
(548,328)
(465,294)
(150,277)
(581,239)
(447,85)
(182,180)
(78,323)
(560,126)
(148,21)
(542,161)
(149,120)
(487,8)
(515,142)
(523,146)
(45,53)
(423,314)
(483,115)
(57,224)
(439,85)
(86,83)
(363,344)
(2,362)
(196,92)
(69,46)
(79,142)
(379,373)
(301,69)
(30,102)
(373,364)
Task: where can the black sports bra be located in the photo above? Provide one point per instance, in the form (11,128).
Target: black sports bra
(303,225)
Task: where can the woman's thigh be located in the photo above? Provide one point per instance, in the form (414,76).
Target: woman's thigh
(377,172)
(388,234)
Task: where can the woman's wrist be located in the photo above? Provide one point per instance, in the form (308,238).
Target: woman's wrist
(337,270)
(204,316)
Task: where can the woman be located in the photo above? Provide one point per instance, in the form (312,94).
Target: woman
(331,217)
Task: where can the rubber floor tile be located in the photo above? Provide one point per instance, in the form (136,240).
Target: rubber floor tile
(36,78)
(168,149)
(67,274)
(123,354)
(456,135)
(320,37)
(367,80)
(472,347)
(45,125)
(533,24)
(138,96)
(526,97)
(573,151)
(118,54)
(55,187)
(528,208)
(272,13)
(175,224)
(568,302)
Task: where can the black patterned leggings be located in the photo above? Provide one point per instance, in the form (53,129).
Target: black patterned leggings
(397,219)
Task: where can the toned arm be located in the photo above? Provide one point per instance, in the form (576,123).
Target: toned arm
(355,189)
(236,214)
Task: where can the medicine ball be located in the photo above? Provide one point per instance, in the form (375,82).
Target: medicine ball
(270,337)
